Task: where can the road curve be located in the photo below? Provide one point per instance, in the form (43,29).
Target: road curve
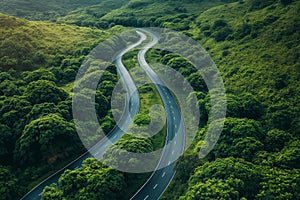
(131,108)
(175,139)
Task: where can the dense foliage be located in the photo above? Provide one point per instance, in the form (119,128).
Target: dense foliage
(92,181)
(42,10)
(39,62)
(257,55)
(255,44)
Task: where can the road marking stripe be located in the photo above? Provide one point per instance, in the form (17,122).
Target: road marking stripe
(146,197)
(155,186)
(163,174)
(175,142)
(172,152)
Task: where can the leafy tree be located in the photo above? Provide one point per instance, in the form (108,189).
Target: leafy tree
(239,138)
(280,184)
(106,87)
(251,107)
(69,75)
(102,104)
(92,181)
(8,184)
(46,139)
(9,88)
(290,155)
(276,139)
(40,110)
(218,24)
(13,111)
(65,109)
(215,189)
(44,91)
(228,178)
(233,105)
(166,57)
(280,115)
(39,58)
(142,119)
(244,105)
(197,82)
(5,76)
(52,192)
(107,123)
(242,31)
(222,34)
(177,63)
(128,143)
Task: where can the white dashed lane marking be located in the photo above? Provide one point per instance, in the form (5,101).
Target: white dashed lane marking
(163,174)
(155,186)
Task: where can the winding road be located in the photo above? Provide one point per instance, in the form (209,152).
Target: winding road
(159,180)
(131,109)
(175,139)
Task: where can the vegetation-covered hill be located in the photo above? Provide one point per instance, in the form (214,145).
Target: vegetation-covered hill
(42,9)
(255,44)
(28,45)
(38,64)
(142,13)
(89,16)
(257,49)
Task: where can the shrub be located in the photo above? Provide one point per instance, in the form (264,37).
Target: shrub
(222,34)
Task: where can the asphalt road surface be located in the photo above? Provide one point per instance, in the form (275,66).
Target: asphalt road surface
(131,109)
(174,142)
(175,139)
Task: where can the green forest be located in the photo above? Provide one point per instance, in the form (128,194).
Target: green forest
(255,45)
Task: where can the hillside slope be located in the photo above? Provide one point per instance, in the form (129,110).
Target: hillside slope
(28,45)
(257,51)
(171,13)
(256,45)
(41,9)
